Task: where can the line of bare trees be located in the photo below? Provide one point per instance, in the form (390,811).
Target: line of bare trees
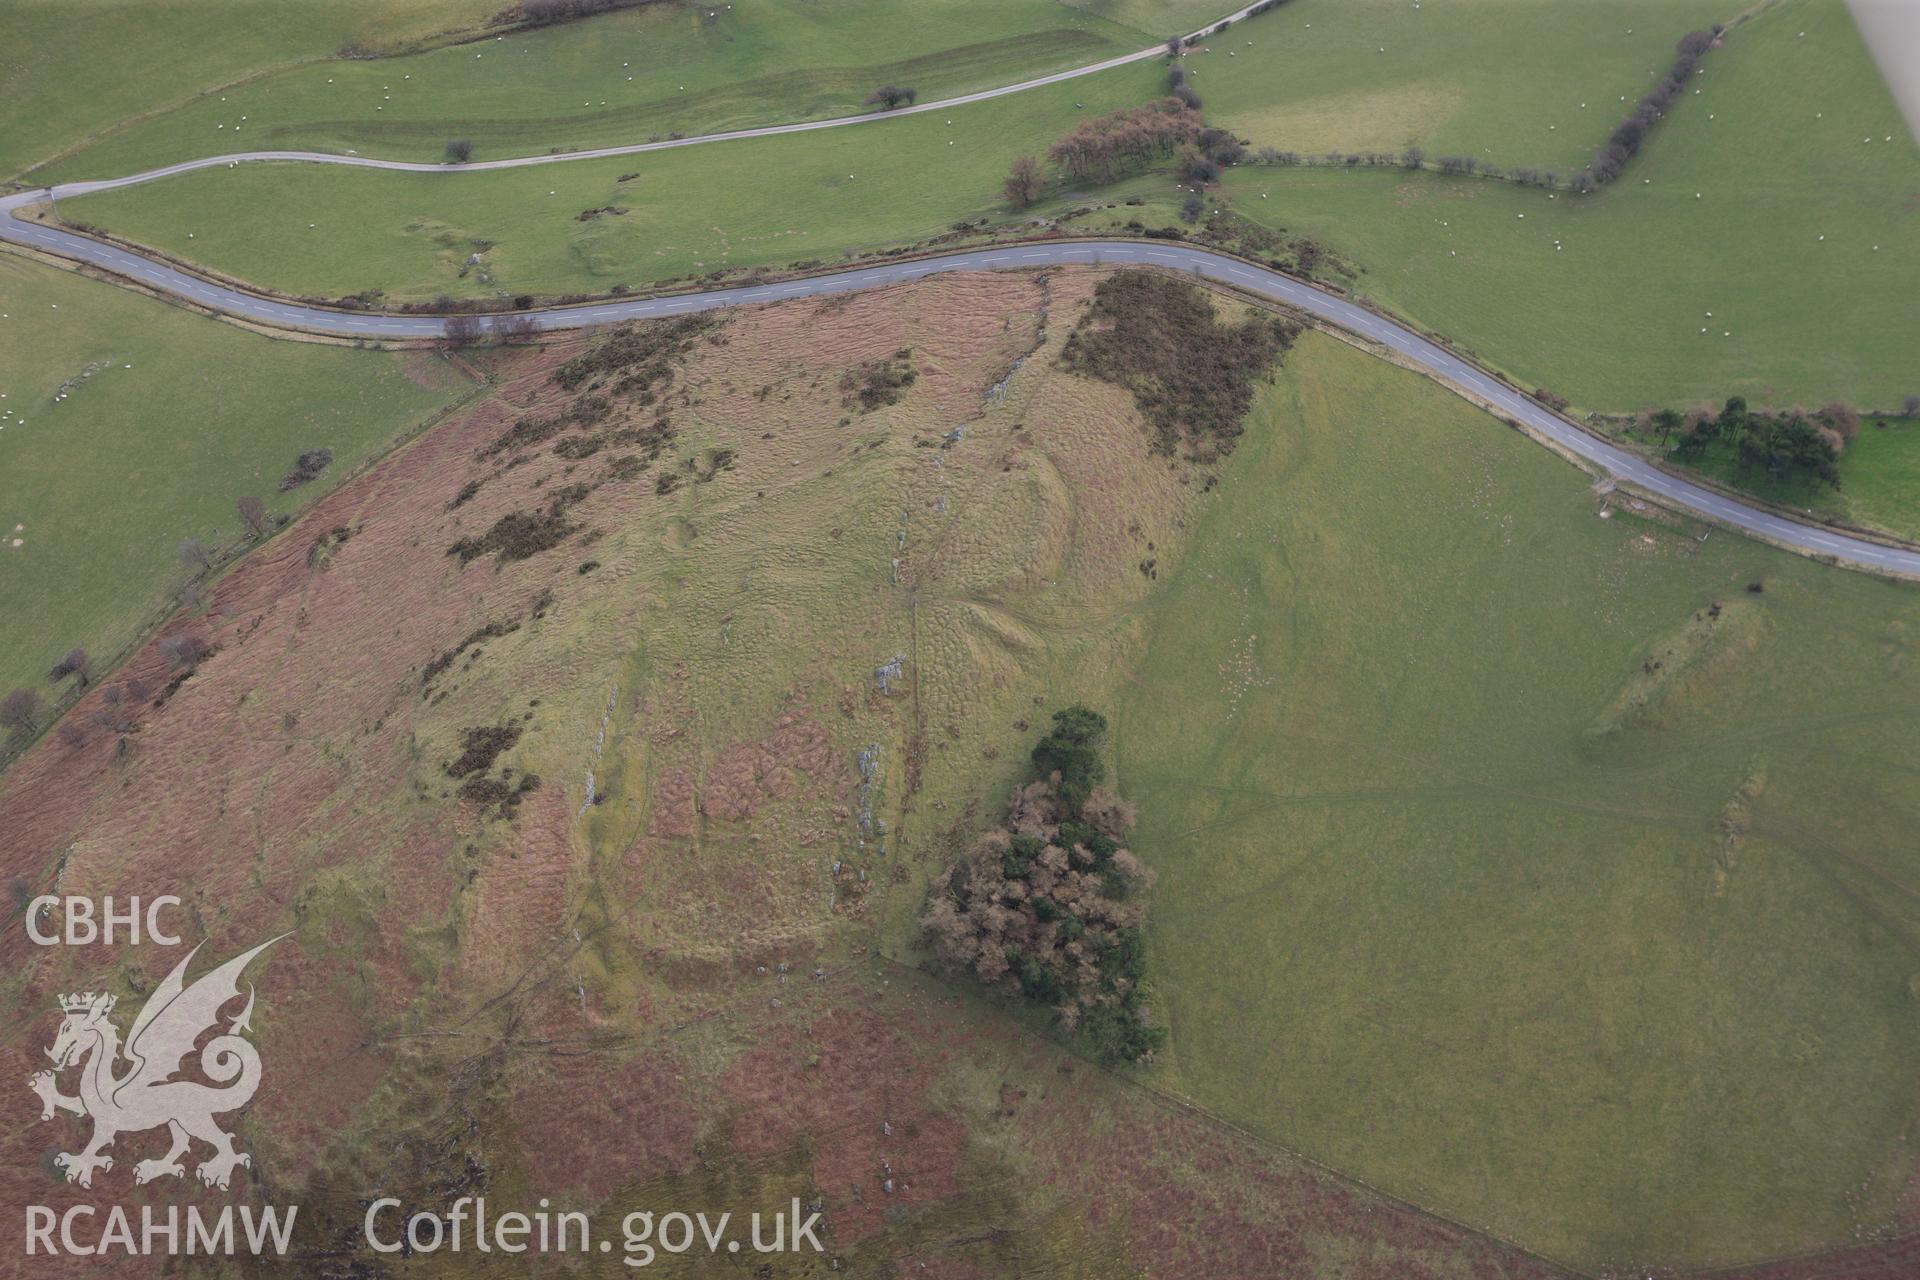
(467,330)
(1627,136)
(117,712)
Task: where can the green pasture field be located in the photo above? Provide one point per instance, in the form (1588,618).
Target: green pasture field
(743,203)
(1509,82)
(623,77)
(101,487)
(1762,203)
(1880,475)
(1463,896)
(74,71)
(1159,18)
(1602,299)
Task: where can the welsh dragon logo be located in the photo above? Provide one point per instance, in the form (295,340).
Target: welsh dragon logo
(145,1096)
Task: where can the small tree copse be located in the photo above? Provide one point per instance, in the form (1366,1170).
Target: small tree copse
(306,467)
(1783,444)
(1103,148)
(1024,181)
(1050,904)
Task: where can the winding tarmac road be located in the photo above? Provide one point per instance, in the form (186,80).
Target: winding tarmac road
(1220,268)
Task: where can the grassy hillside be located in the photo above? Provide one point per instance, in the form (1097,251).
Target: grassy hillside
(167,418)
(75,70)
(1511,82)
(622,77)
(1463,893)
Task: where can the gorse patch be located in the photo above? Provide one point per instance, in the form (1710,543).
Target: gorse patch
(479,747)
(1191,376)
(307,466)
(518,535)
(636,357)
(878,383)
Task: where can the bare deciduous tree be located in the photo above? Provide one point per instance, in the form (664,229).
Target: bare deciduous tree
(253,516)
(21,710)
(461,331)
(459,150)
(194,554)
(115,712)
(187,650)
(516,329)
(1024,181)
(1843,419)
